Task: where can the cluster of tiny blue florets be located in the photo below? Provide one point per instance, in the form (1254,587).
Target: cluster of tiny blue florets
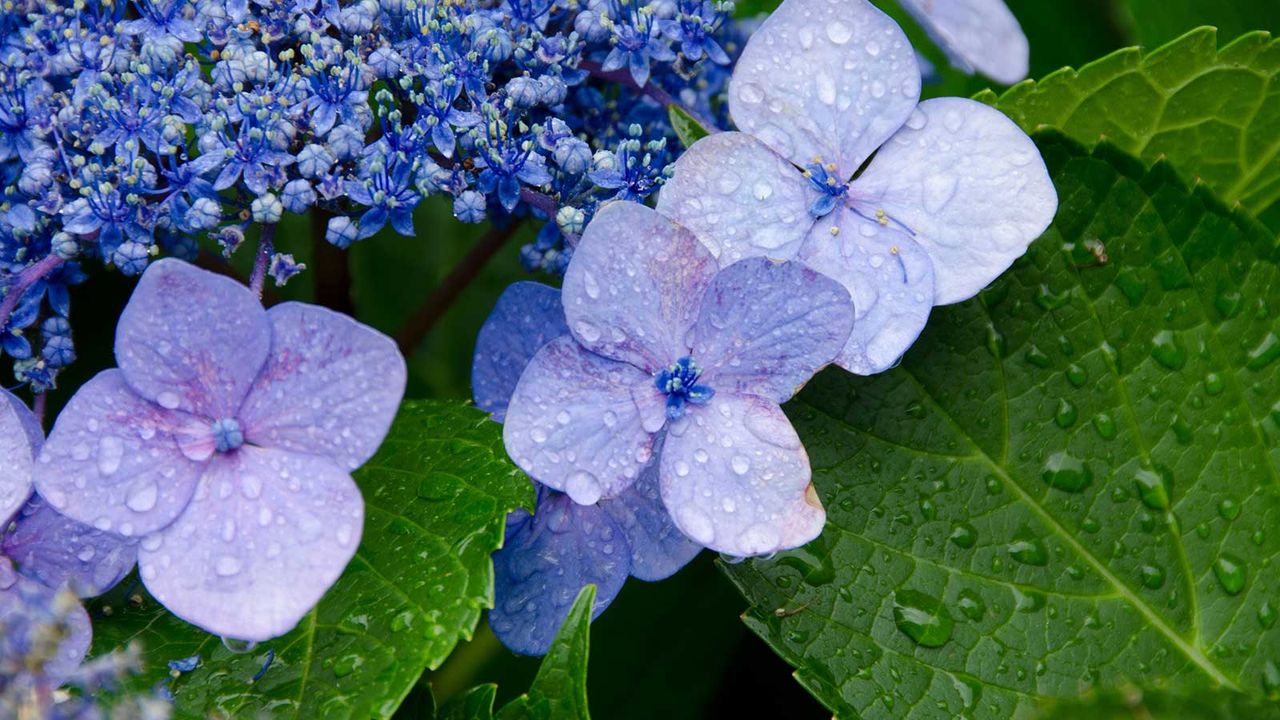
(136,128)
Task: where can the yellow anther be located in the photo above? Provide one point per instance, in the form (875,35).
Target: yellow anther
(893,250)
(835,231)
(881,217)
(831,167)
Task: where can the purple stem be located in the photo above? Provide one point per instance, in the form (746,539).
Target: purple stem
(20,283)
(38,405)
(266,249)
(623,77)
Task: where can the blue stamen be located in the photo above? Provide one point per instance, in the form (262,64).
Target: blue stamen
(680,382)
(227,435)
(830,187)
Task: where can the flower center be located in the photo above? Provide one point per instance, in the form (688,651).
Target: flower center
(679,381)
(829,187)
(227,435)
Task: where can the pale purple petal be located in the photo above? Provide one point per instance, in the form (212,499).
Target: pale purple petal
(891,280)
(53,548)
(20,437)
(192,340)
(573,423)
(528,315)
(980,35)
(26,607)
(735,478)
(545,560)
(766,327)
(658,548)
(739,197)
(267,533)
(970,185)
(631,291)
(828,79)
(331,386)
(118,462)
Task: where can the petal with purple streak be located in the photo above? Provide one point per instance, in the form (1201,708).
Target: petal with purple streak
(766,327)
(735,478)
(631,291)
(331,386)
(890,278)
(969,184)
(739,197)
(267,533)
(826,80)
(118,462)
(192,340)
(574,424)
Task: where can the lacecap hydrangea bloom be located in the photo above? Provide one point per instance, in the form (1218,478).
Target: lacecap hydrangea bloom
(547,557)
(673,361)
(953,192)
(46,561)
(224,443)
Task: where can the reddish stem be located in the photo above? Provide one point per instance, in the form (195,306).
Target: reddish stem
(23,281)
(440,299)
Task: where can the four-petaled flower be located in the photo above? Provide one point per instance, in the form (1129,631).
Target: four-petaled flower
(547,557)
(955,191)
(640,295)
(41,553)
(224,442)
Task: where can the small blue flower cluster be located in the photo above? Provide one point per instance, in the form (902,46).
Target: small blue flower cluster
(135,128)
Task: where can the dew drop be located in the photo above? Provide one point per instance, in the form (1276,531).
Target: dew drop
(142,497)
(1230,572)
(971,604)
(169,400)
(110,453)
(1029,550)
(1066,414)
(838,32)
(964,535)
(1155,487)
(922,618)
(226,566)
(583,487)
(1152,577)
(1168,351)
(740,464)
(1066,472)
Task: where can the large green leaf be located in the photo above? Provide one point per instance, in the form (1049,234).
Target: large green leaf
(559,690)
(1071,480)
(1213,113)
(436,498)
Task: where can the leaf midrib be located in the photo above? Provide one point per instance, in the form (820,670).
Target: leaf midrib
(1191,652)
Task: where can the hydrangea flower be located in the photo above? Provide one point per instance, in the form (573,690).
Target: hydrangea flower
(549,556)
(954,193)
(44,632)
(981,35)
(223,442)
(672,361)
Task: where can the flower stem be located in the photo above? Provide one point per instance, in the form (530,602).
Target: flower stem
(266,248)
(20,283)
(623,77)
(443,297)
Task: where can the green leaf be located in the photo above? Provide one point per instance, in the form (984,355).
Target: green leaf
(1214,114)
(559,690)
(1071,480)
(687,128)
(436,498)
